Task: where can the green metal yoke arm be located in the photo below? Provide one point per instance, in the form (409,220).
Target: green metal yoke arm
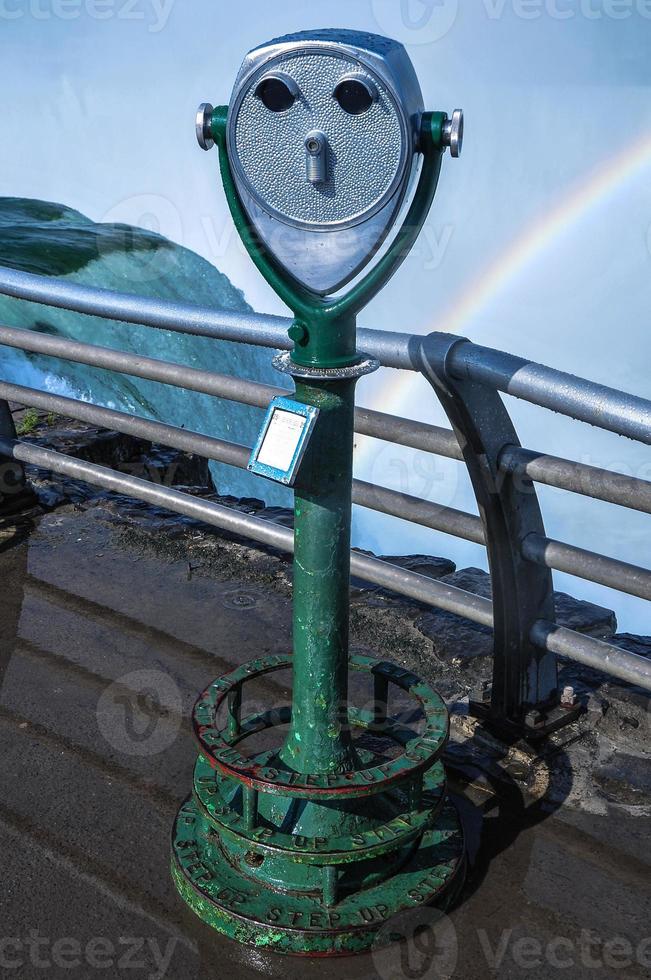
(302,302)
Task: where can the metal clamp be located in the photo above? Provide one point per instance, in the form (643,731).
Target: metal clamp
(284,363)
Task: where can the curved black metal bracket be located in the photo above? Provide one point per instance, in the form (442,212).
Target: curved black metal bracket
(525,678)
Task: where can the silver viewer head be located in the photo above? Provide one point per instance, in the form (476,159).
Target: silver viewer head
(322,138)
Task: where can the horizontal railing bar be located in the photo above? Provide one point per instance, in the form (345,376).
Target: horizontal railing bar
(394,350)
(590,481)
(587,565)
(139,366)
(587,401)
(565,474)
(596,404)
(411,584)
(553,471)
(269,331)
(423,589)
(424,512)
(419,511)
(221,516)
(445,519)
(405,432)
(134,425)
(604,657)
(614,574)
(610,572)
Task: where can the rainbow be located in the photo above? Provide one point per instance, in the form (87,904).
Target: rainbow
(587,193)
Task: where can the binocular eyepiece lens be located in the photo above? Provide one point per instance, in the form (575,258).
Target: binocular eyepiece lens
(276,94)
(354,96)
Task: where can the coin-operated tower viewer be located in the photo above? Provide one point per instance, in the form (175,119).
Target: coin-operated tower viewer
(329,164)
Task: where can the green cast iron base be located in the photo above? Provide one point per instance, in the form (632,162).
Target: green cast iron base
(247,911)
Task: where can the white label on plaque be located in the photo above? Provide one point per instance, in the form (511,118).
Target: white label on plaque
(281,439)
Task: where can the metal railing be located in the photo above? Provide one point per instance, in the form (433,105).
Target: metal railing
(468,380)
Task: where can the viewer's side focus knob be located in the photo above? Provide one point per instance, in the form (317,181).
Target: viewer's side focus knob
(453,133)
(203,125)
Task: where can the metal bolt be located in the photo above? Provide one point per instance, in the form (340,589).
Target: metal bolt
(203,126)
(453,133)
(316,157)
(568,698)
(298,333)
(534,719)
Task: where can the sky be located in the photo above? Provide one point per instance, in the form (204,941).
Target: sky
(539,240)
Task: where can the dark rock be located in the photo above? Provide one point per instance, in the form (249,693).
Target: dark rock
(49,497)
(175,469)
(21,502)
(627,714)
(278,514)
(251,504)
(471,580)
(585,617)
(455,639)
(107,448)
(640,645)
(423,564)
(458,640)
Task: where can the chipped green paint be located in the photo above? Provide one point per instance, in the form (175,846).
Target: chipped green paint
(234,860)
(319,740)
(215,796)
(301,922)
(310,848)
(273,776)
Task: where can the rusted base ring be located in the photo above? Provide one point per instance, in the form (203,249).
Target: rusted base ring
(220,746)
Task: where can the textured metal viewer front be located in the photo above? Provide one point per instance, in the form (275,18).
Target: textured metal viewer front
(367,154)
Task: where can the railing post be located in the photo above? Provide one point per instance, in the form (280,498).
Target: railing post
(12,475)
(525,682)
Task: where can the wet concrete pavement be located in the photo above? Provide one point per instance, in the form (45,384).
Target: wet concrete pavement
(103,651)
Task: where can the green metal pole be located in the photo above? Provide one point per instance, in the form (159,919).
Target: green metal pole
(319,738)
